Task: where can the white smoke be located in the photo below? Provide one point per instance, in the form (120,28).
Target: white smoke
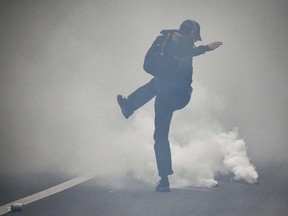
(196,163)
(105,143)
(201,148)
(224,153)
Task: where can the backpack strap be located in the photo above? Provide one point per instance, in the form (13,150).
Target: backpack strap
(163,45)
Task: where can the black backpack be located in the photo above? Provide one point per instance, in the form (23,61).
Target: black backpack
(155,60)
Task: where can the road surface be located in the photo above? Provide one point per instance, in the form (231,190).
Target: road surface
(106,197)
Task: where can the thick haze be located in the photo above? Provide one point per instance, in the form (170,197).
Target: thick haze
(62,63)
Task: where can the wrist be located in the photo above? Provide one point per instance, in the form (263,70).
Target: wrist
(207,48)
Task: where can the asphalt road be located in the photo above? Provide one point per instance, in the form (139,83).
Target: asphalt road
(135,198)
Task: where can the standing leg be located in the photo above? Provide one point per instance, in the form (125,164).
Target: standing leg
(165,104)
(163,116)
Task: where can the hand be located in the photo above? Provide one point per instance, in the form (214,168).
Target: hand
(214,45)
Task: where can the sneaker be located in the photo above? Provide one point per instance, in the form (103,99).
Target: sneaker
(123,103)
(163,185)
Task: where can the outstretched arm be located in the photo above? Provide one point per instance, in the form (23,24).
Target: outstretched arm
(202,49)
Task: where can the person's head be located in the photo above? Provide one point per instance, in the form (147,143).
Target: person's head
(192,28)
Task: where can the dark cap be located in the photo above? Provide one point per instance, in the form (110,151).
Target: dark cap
(188,25)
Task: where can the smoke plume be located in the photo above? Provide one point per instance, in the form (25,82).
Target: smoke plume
(204,153)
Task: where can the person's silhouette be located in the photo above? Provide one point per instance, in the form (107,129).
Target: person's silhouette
(172,89)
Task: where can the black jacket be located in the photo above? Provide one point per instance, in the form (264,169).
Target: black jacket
(179,59)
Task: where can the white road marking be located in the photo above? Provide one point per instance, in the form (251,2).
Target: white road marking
(45,193)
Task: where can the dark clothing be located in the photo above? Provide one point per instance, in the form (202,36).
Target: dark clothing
(177,57)
(166,102)
(172,91)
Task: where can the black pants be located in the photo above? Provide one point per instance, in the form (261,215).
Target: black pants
(167,101)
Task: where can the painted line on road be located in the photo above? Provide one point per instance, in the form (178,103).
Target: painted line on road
(45,193)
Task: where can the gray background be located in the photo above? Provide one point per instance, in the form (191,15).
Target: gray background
(62,63)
